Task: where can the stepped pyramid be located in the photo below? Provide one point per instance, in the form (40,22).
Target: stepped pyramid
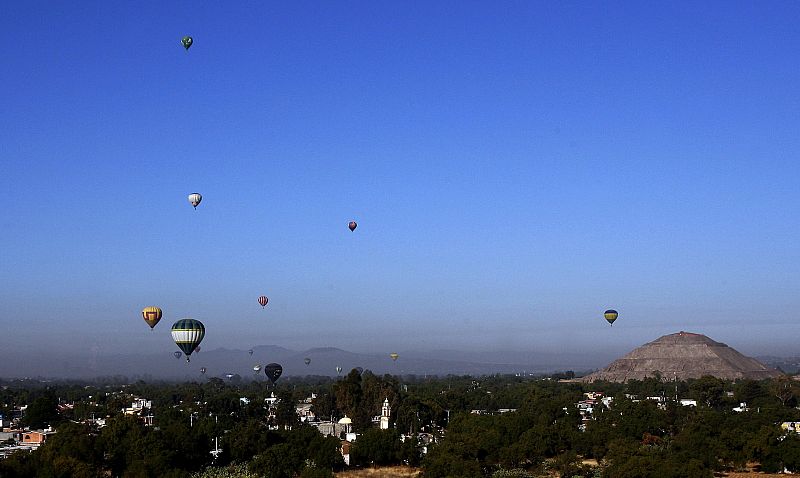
(681,356)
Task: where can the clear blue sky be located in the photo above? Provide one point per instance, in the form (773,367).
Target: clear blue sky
(515,168)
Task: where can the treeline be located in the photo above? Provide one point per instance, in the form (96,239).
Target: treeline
(632,438)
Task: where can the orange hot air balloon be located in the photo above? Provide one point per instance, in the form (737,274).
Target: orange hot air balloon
(352,225)
(151,315)
(263,301)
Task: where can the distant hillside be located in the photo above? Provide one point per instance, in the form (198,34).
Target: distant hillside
(790,365)
(324,361)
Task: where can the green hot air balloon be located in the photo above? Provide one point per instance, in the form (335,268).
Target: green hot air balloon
(610,315)
(187,42)
(187,334)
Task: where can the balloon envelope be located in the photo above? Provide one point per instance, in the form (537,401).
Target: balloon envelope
(307,360)
(263,300)
(338,370)
(273,371)
(256,368)
(352,225)
(393,356)
(187,42)
(250,352)
(151,315)
(194,199)
(610,315)
(177,354)
(187,334)
(203,370)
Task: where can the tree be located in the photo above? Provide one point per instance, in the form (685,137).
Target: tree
(278,461)
(708,390)
(248,439)
(376,447)
(324,406)
(285,415)
(42,412)
(784,388)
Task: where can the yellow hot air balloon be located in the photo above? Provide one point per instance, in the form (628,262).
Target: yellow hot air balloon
(151,315)
(610,315)
(394,356)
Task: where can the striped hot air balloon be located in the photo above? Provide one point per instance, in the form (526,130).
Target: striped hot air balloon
(263,301)
(151,315)
(187,334)
(610,315)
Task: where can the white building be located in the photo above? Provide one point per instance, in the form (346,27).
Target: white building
(386,413)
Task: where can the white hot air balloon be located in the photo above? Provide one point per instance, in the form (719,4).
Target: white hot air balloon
(194,199)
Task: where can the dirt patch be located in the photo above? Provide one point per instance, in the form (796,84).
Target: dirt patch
(386,472)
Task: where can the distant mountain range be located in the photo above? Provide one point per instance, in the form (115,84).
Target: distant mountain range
(324,360)
(790,365)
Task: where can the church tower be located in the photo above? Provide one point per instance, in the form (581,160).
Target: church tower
(386,412)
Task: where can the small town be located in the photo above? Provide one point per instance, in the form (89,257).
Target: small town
(558,425)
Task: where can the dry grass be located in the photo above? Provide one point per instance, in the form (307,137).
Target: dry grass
(749,472)
(752,474)
(386,472)
(407,472)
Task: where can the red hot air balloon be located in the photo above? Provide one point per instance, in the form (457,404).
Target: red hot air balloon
(263,301)
(352,225)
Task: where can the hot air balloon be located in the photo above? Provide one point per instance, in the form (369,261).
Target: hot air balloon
(394,356)
(273,371)
(197,349)
(352,225)
(256,368)
(187,42)
(187,334)
(610,315)
(194,199)
(177,354)
(203,370)
(307,360)
(338,370)
(250,352)
(263,301)
(151,315)
(229,376)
